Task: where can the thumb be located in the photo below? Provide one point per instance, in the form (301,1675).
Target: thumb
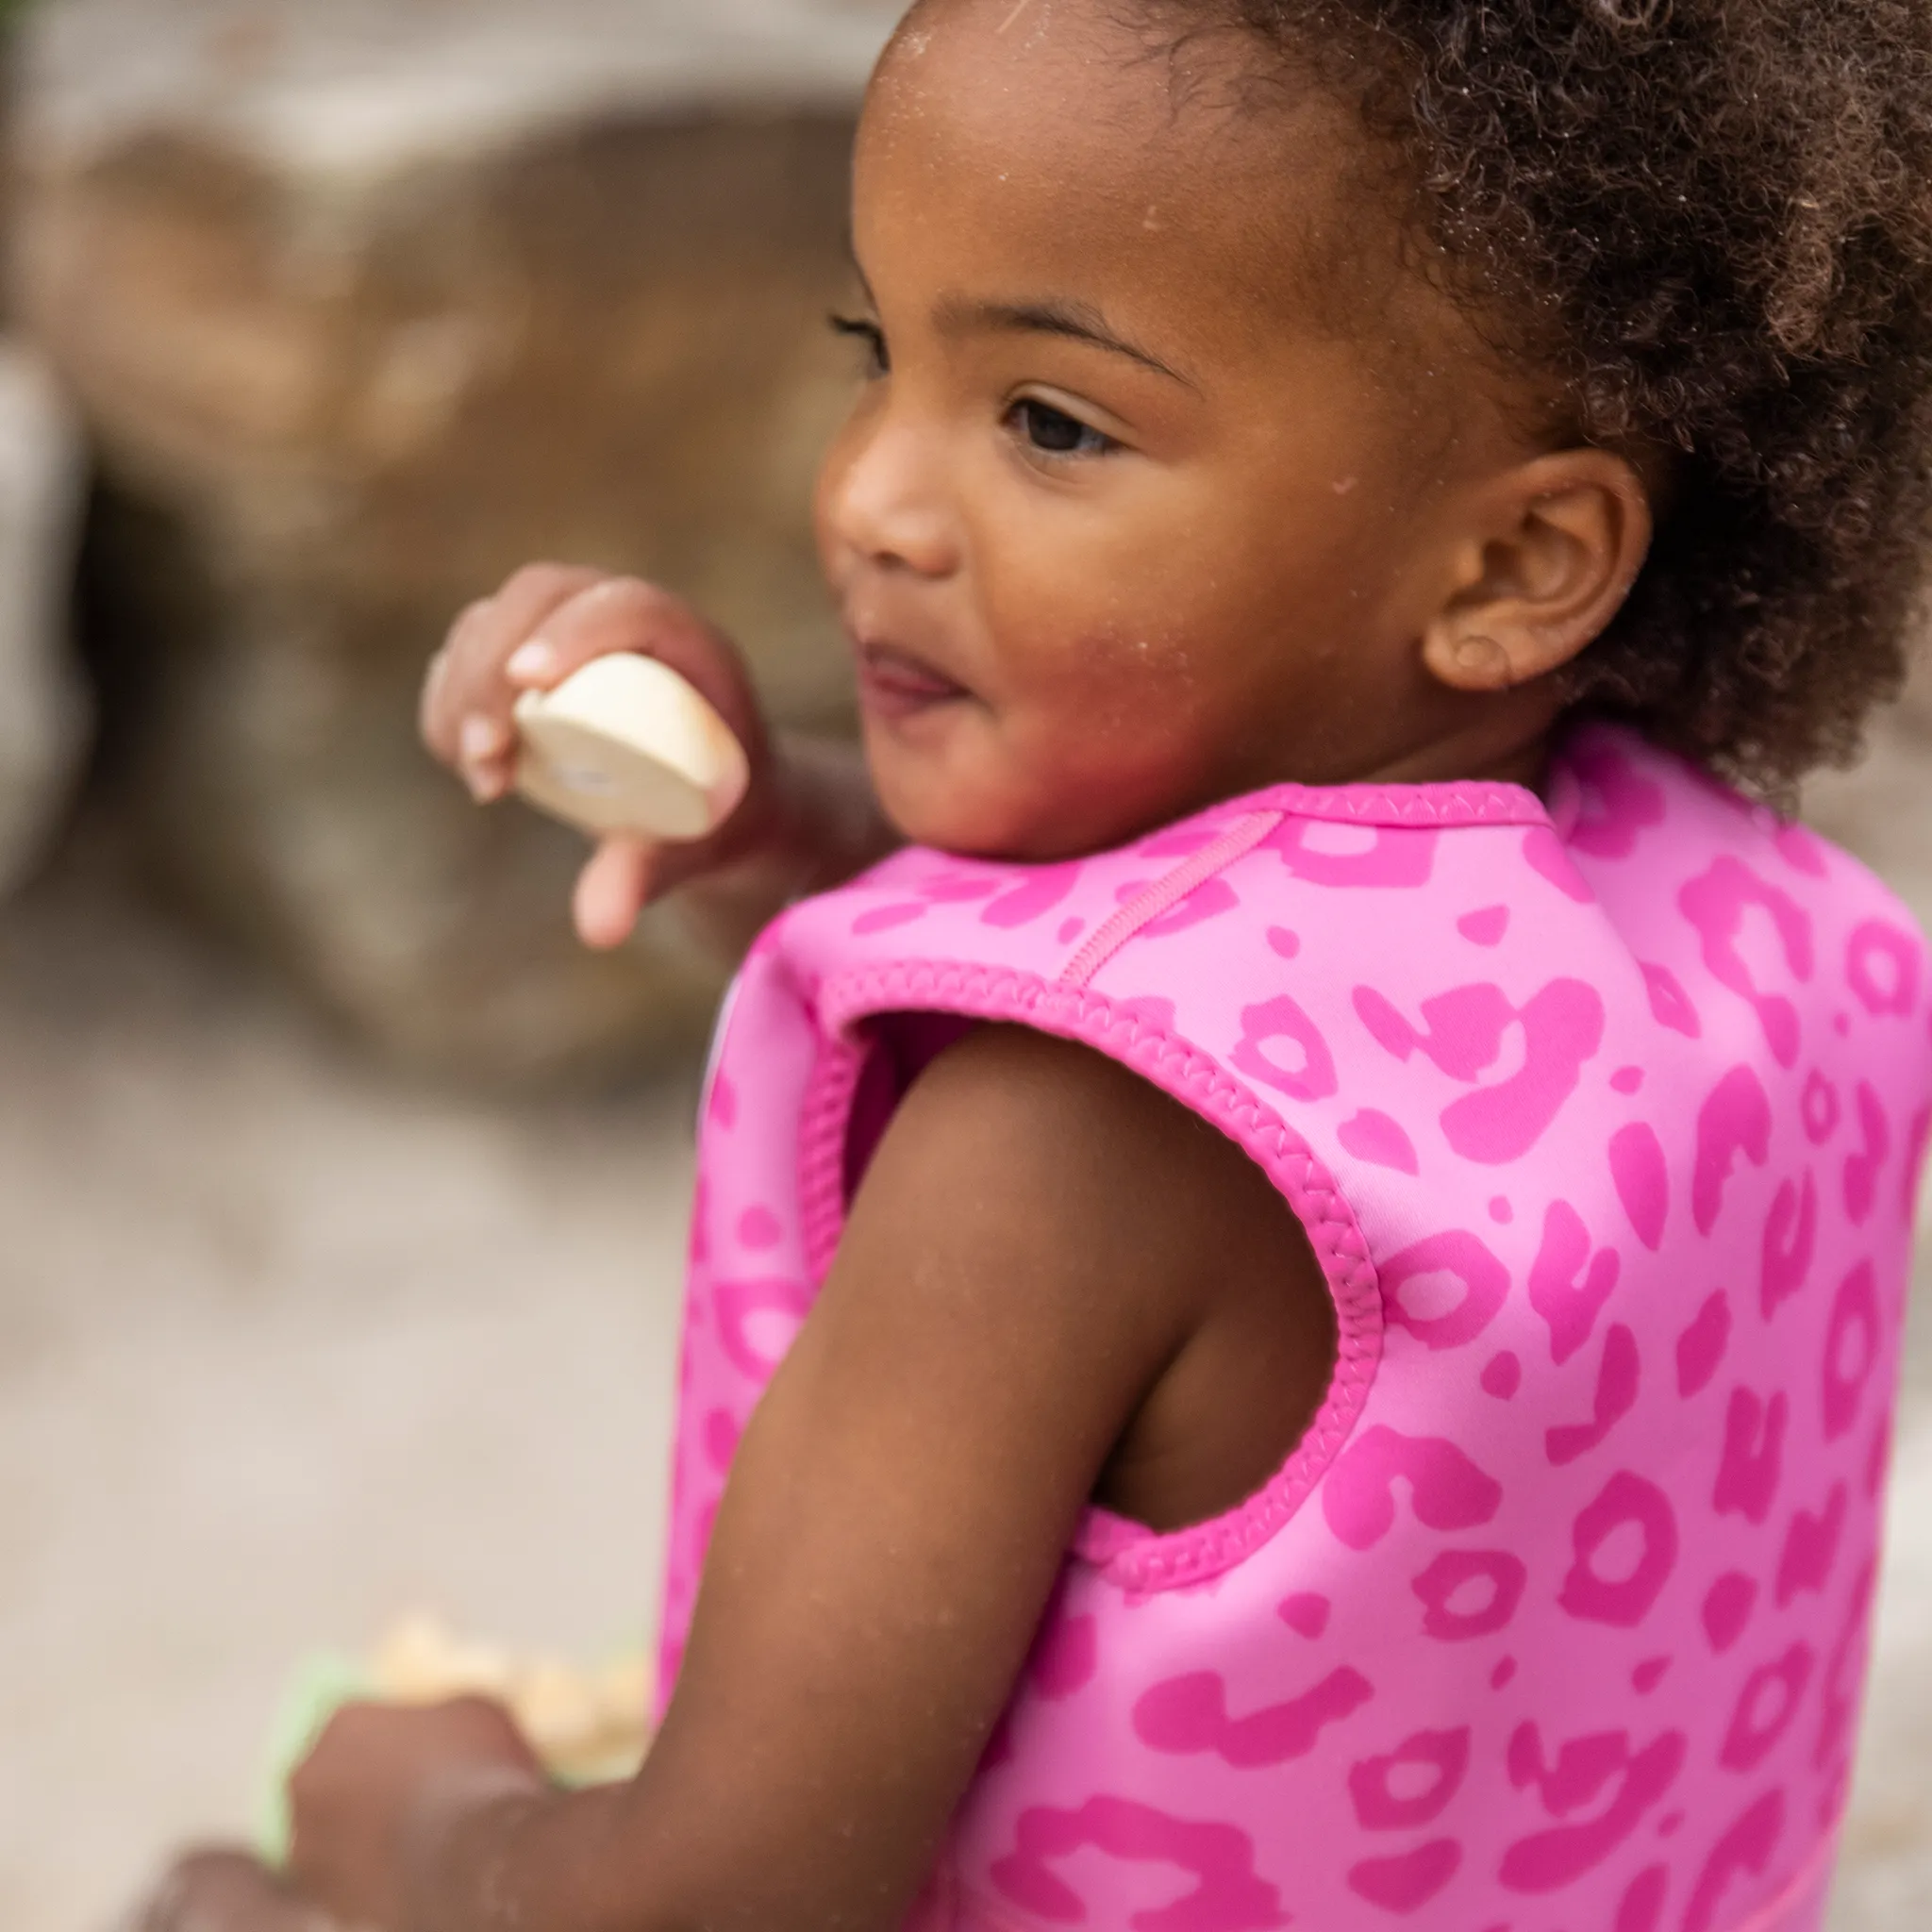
(614,888)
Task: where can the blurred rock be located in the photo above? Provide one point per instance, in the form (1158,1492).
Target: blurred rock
(43,716)
(366,305)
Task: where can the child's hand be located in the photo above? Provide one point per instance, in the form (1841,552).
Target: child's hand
(226,1891)
(547,621)
(383,1780)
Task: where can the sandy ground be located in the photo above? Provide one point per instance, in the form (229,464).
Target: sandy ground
(288,1345)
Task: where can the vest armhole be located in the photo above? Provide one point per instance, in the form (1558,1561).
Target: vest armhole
(1139,1561)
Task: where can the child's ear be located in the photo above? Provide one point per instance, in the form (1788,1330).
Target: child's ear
(1552,551)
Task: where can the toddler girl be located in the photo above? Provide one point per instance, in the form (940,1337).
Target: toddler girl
(1294,1307)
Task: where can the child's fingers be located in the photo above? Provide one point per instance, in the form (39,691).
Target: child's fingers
(614,888)
(466,678)
(225,1892)
(627,615)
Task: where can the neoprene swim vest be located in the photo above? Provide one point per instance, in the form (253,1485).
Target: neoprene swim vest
(1604,1120)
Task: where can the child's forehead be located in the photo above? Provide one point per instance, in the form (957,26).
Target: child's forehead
(1062,127)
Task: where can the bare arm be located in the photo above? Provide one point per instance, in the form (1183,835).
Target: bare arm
(1043,1245)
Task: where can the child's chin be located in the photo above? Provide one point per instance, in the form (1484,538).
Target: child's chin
(929,807)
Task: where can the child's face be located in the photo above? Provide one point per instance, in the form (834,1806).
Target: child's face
(1149,499)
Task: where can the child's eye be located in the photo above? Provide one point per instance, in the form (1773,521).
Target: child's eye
(1053,432)
(877,362)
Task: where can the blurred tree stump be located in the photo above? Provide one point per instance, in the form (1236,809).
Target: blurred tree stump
(364,306)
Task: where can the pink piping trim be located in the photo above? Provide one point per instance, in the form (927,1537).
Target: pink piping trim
(1127,1554)
(1467,801)
(1164,894)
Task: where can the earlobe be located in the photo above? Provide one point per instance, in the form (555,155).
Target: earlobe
(1551,554)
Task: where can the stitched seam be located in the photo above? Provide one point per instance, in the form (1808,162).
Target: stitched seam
(1164,894)
(1135,1558)
(1475,803)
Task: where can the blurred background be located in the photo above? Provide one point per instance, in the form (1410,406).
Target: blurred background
(341,1196)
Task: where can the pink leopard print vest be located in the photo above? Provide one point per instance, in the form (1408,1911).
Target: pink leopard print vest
(1605,1122)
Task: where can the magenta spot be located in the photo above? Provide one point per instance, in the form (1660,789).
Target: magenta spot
(1470,1593)
(1766,1706)
(1802,851)
(1882,969)
(1328,854)
(1617,803)
(1811,1548)
(722,1106)
(1633,1504)
(1670,1005)
(1568,1308)
(1228,1895)
(1305,1614)
(1819,1108)
(1069,930)
(1384,1788)
(1747,1478)
(1790,1237)
(1501,1211)
(1727,1607)
(758,1228)
(721,1439)
(1485,928)
(1287,945)
(1700,1347)
(1643,1181)
(1561,1030)
(1627,1080)
(1408,1882)
(1642,1907)
(887,918)
(1877,1459)
(1670,1824)
(1851,1349)
(1189,1714)
(1503,1375)
(1861,1169)
(1503,1675)
(1066,1657)
(1715,903)
(1844,1674)
(1544,853)
(1616,1396)
(1746,1847)
(1297,1062)
(958,888)
(1447,1490)
(1042,891)
(757,1322)
(1379,1139)
(1549,1860)
(1735,1119)
(1649,1675)
(1445,1290)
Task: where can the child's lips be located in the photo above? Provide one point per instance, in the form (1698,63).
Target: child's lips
(893,683)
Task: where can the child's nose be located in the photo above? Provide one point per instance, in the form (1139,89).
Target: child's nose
(885,502)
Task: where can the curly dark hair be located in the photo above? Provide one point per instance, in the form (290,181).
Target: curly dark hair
(1711,219)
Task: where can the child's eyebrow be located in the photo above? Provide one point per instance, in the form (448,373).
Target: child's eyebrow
(1079,321)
